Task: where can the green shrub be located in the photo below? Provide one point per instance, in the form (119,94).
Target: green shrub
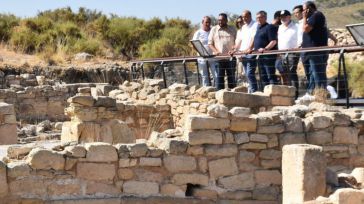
(7,23)
(91,46)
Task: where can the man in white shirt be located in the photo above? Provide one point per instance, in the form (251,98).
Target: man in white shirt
(288,39)
(203,64)
(243,45)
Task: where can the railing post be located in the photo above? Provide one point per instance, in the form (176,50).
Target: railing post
(342,57)
(142,68)
(185,71)
(259,74)
(164,75)
(208,72)
(132,71)
(198,73)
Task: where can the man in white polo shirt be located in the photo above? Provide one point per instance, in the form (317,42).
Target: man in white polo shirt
(288,39)
(244,45)
(203,35)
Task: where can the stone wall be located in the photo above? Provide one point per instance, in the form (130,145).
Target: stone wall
(228,154)
(8,133)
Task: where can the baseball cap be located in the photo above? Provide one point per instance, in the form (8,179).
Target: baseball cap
(285,13)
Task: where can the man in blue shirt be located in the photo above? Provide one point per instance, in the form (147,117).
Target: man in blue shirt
(266,39)
(315,34)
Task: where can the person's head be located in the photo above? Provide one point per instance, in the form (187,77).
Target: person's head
(285,17)
(297,12)
(247,17)
(222,20)
(261,17)
(239,22)
(277,18)
(309,7)
(206,23)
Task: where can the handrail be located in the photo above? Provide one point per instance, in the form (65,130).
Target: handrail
(331,49)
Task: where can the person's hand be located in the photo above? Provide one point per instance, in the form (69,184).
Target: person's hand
(231,52)
(305,13)
(261,50)
(248,51)
(216,53)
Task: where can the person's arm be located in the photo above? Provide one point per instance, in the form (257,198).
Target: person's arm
(269,46)
(272,37)
(332,37)
(212,43)
(306,27)
(195,36)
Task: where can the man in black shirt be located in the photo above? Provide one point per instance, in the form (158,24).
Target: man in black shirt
(266,39)
(315,34)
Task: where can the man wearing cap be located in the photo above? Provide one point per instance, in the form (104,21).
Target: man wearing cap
(288,39)
(222,42)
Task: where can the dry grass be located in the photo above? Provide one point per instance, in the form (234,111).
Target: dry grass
(322,96)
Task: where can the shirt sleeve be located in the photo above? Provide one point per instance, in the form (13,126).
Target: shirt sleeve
(195,36)
(272,33)
(211,36)
(312,20)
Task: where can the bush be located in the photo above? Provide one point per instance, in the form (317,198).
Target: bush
(7,23)
(91,46)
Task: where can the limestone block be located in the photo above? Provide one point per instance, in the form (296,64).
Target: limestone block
(202,164)
(270,193)
(119,132)
(293,124)
(78,151)
(172,146)
(123,150)
(253,145)
(71,131)
(146,161)
(280,90)
(282,101)
(100,152)
(221,150)
(291,138)
(18,169)
(244,181)
(241,138)
(90,132)
(235,195)
(148,175)
(204,137)
(338,118)
(96,171)
(358,173)
(217,111)
(196,179)
(346,135)
(268,177)
(258,138)
(244,125)
(271,129)
(96,188)
(269,118)
(223,167)
(6,109)
(319,137)
(270,164)
(270,154)
(320,121)
(127,163)
(137,150)
(175,163)
(11,119)
(8,134)
(141,188)
(242,99)
(85,114)
(45,159)
(204,194)
(82,100)
(84,90)
(173,190)
(307,164)
(347,196)
(246,156)
(195,150)
(228,138)
(203,122)
(28,187)
(239,112)
(105,101)
(3,180)
(125,174)
(62,188)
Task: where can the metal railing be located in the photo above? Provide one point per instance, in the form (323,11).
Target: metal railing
(137,66)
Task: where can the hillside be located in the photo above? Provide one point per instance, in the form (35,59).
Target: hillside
(341,14)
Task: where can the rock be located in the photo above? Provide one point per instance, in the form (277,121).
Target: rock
(146,161)
(244,181)
(280,90)
(347,196)
(242,99)
(346,135)
(204,137)
(241,138)
(96,171)
(217,111)
(45,159)
(100,152)
(8,134)
(239,112)
(268,177)
(221,150)
(19,151)
(173,190)
(266,193)
(196,179)
(137,150)
(244,125)
(18,169)
(223,167)
(105,101)
(201,122)
(3,180)
(83,56)
(319,137)
(76,151)
(141,188)
(82,100)
(119,132)
(179,163)
(270,154)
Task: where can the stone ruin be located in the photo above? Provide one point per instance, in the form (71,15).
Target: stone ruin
(142,143)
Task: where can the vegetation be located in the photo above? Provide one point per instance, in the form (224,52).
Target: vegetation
(356,78)
(62,32)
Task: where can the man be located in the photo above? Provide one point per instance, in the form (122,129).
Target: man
(287,39)
(315,34)
(243,45)
(222,41)
(265,39)
(202,35)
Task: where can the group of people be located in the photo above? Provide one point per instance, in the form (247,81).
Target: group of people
(251,37)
